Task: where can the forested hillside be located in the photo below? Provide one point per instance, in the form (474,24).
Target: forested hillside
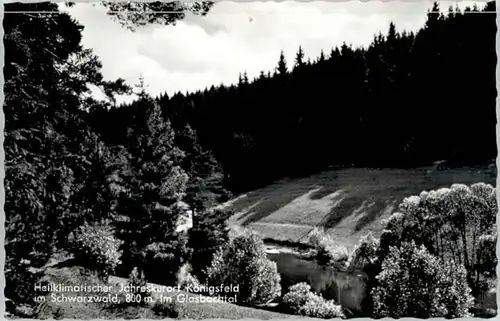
(406,99)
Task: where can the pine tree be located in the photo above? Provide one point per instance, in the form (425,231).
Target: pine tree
(321,56)
(299,58)
(282,68)
(140,89)
(155,186)
(243,78)
(433,15)
(391,35)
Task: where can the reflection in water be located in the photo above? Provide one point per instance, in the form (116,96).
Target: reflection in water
(346,288)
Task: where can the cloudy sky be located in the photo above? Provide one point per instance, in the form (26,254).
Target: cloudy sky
(235,37)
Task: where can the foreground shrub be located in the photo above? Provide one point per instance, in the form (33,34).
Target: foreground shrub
(326,249)
(364,253)
(302,301)
(323,309)
(243,261)
(97,248)
(414,283)
(185,278)
(297,296)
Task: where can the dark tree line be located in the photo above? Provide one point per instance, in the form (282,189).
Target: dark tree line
(407,99)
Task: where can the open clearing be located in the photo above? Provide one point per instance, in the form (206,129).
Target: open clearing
(348,202)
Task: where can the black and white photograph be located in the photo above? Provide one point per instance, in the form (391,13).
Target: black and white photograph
(250,160)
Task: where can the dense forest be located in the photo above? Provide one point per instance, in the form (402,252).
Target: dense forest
(407,99)
(78,166)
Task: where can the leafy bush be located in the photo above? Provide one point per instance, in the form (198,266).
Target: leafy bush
(327,250)
(301,300)
(325,309)
(297,296)
(243,262)
(364,253)
(449,222)
(414,283)
(97,248)
(185,279)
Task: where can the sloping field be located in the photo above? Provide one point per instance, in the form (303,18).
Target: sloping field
(348,202)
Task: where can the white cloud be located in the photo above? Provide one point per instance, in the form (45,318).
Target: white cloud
(235,37)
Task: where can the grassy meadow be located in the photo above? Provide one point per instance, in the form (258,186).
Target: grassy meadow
(348,202)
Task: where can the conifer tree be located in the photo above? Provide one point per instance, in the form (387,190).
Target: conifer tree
(154,188)
(321,56)
(282,68)
(299,58)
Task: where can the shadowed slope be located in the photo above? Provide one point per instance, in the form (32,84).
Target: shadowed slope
(349,202)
